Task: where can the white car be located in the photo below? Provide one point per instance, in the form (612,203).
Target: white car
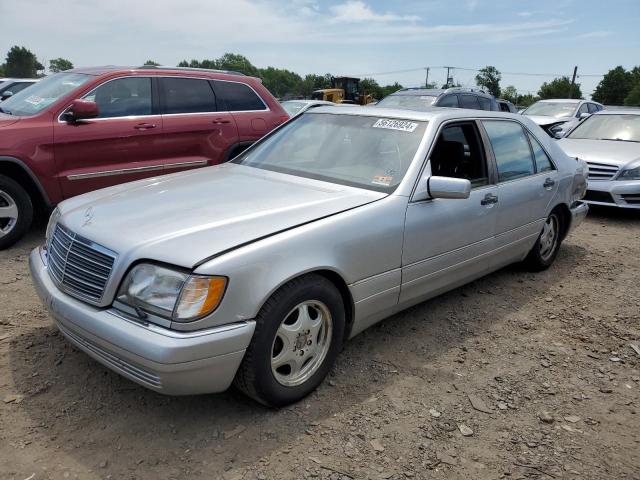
(558,116)
(296,107)
(609,142)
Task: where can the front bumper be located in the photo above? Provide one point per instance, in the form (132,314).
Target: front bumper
(169,362)
(578,214)
(614,193)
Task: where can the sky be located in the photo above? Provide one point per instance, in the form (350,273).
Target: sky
(390,41)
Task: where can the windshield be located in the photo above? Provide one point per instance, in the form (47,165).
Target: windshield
(623,127)
(42,94)
(359,151)
(552,109)
(410,102)
(292,108)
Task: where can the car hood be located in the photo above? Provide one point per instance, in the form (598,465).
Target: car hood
(609,152)
(186,217)
(6,120)
(544,120)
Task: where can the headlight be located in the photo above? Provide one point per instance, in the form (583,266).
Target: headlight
(172,294)
(53,220)
(631,174)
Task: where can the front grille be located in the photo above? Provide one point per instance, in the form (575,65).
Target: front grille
(79,266)
(632,199)
(596,196)
(601,171)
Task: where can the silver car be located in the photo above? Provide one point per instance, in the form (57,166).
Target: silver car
(257,271)
(609,142)
(557,116)
(296,107)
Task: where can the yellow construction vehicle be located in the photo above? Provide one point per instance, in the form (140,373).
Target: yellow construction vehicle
(343,90)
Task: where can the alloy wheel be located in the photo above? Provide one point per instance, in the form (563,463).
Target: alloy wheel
(8,213)
(549,237)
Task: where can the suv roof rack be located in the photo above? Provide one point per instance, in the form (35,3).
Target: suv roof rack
(465,89)
(194,69)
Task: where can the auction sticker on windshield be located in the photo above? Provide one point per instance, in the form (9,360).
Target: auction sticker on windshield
(402,125)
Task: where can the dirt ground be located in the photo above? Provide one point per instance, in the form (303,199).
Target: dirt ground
(514,376)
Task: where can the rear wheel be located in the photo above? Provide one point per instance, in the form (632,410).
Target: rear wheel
(546,248)
(16,212)
(298,336)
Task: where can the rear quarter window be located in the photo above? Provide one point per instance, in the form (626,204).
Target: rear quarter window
(237,96)
(485,103)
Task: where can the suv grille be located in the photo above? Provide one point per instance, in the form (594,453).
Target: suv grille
(79,267)
(601,171)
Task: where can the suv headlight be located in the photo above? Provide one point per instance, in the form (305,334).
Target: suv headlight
(630,174)
(171,293)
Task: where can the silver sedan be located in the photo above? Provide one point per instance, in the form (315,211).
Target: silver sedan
(257,271)
(609,141)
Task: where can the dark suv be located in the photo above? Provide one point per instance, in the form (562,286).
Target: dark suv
(456,97)
(90,128)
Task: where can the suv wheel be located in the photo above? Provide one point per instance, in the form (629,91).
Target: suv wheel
(298,335)
(16,212)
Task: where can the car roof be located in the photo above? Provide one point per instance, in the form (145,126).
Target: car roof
(101,70)
(428,114)
(619,111)
(563,100)
(419,91)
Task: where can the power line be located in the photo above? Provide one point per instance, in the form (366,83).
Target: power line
(529,74)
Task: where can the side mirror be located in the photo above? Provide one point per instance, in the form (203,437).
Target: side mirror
(6,95)
(584,115)
(442,187)
(81,110)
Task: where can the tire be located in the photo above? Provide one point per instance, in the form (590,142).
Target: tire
(16,212)
(270,372)
(547,245)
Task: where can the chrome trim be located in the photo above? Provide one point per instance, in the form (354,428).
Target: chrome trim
(124,171)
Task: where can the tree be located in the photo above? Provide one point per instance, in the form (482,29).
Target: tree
(21,63)
(510,93)
(312,82)
(59,65)
(559,88)
(527,99)
(633,98)
(228,61)
(614,87)
(368,86)
(389,89)
(152,63)
(281,82)
(489,77)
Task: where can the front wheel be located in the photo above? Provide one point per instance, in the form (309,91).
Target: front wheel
(546,248)
(298,336)
(16,212)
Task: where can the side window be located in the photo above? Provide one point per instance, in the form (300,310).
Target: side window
(593,108)
(448,101)
(187,95)
(543,163)
(583,109)
(485,103)
(458,153)
(504,107)
(511,149)
(238,96)
(123,97)
(469,101)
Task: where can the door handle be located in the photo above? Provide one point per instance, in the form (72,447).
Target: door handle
(489,199)
(221,121)
(145,126)
(548,183)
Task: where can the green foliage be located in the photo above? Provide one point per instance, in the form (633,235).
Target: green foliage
(389,89)
(525,100)
(489,78)
(152,62)
(616,86)
(510,93)
(633,98)
(313,82)
(559,88)
(21,63)
(368,86)
(281,82)
(59,65)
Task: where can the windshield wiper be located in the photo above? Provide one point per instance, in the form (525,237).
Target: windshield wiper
(619,140)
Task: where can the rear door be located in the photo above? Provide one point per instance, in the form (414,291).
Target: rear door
(250,112)
(469,101)
(121,145)
(196,131)
(526,186)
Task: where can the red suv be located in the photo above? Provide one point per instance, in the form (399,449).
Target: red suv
(90,128)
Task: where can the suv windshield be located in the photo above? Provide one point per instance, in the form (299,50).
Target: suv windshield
(621,127)
(551,109)
(411,102)
(355,150)
(42,94)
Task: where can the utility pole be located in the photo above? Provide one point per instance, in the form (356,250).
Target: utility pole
(426,80)
(448,68)
(573,81)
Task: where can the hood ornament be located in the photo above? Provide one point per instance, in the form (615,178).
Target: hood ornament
(88,216)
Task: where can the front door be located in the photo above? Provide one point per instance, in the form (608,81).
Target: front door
(447,241)
(122,144)
(527,183)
